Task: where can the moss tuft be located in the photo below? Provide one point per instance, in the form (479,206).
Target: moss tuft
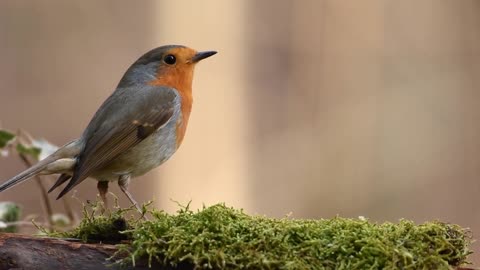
(219,237)
(109,228)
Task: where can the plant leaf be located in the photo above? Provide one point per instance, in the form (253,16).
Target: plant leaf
(9,212)
(5,137)
(29,150)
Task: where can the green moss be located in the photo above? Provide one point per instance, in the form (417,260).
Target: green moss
(219,237)
(106,228)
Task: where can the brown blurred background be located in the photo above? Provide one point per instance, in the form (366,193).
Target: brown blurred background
(318,108)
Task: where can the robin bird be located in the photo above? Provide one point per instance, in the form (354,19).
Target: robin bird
(136,129)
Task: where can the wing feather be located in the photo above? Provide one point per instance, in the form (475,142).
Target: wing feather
(125,119)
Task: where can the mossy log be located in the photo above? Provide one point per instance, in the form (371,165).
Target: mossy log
(19,251)
(220,237)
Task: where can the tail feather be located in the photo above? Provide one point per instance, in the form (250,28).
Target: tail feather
(27,174)
(62,179)
(59,162)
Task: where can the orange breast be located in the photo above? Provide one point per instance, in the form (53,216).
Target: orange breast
(186,108)
(181,80)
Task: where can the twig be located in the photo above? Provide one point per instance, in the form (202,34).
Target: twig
(43,192)
(22,223)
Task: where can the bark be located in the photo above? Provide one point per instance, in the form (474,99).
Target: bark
(28,252)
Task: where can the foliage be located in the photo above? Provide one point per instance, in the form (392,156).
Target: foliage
(5,138)
(32,150)
(36,149)
(9,213)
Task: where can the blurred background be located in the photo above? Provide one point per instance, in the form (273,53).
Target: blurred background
(319,108)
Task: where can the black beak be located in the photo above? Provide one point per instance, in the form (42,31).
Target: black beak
(202,55)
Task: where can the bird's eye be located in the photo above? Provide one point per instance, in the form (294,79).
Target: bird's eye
(170,59)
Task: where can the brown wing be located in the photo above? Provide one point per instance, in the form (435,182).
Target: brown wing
(126,118)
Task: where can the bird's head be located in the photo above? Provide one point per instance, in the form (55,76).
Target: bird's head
(170,65)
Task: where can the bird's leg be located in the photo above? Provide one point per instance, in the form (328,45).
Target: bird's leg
(102,187)
(123,182)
